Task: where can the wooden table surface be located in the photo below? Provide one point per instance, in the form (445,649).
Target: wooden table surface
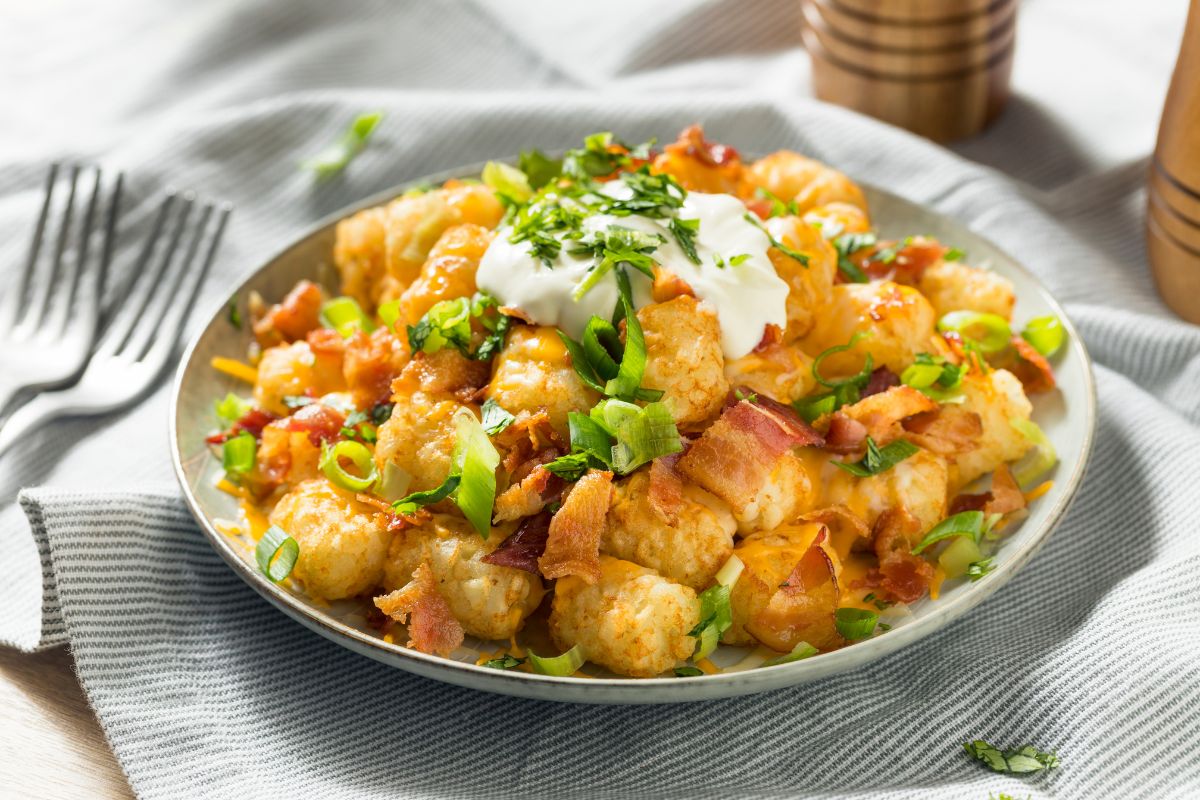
(51,745)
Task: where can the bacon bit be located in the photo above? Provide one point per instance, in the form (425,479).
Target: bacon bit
(845,436)
(881,413)
(666,488)
(433,628)
(904,576)
(948,430)
(847,531)
(293,318)
(761,208)
(370,365)
(537,489)
(523,549)
(573,543)
(1031,367)
(667,286)
(692,143)
(734,457)
(513,311)
(527,438)
(909,264)
(772,336)
(881,380)
(969,502)
(252,422)
(320,422)
(1006,494)
(401,521)
(804,607)
(445,372)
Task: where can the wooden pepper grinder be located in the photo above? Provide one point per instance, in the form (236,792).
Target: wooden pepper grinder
(1173,194)
(939,68)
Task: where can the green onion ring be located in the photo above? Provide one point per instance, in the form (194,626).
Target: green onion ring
(276,553)
(990,331)
(359,455)
(558,666)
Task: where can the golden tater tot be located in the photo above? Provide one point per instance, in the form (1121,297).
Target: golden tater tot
(633,620)
(296,369)
(953,286)
(448,273)
(997,398)
(897,323)
(418,439)
(684,359)
(794,178)
(809,285)
(836,219)
(533,373)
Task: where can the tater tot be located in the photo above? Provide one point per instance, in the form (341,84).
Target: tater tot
(413,223)
(700,165)
(788,492)
(418,439)
(897,320)
(490,601)
(918,484)
(809,285)
(684,359)
(448,273)
(689,550)
(533,373)
(293,370)
(809,183)
(633,620)
(997,398)
(952,286)
(768,558)
(359,253)
(782,372)
(342,544)
(836,219)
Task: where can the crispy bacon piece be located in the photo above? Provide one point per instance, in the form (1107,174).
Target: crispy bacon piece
(535,491)
(899,262)
(523,549)
(804,606)
(371,362)
(1007,496)
(433,628)
(734,457)
(845,436)
(252,422)
(573,543)
(692,143)
(948,430)
(847,531)
(293,318)
(525,439)
(969,502)
(903,576)
(320,422)
(1031,367)
(667,286)
(881,413)
(666,488)
(881,380)
(772,336)
(445,372)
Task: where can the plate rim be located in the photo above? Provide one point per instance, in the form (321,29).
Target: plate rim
(621,690)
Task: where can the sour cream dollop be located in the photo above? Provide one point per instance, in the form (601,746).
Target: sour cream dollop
(746,297)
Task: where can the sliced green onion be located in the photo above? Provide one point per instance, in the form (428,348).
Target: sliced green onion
(716,617)
(558,666)
(393,483)
(980,568)
(590,437)
(964,523)
(358,454)
(602,346)
(410,503)
(579,360)
(570,467)
(855,623)
(345,316)
(237,454)
(860,379)
(475,459)
(801,651)
(389,313)
(878,459)
(507,181)
(276,553)
(730,571)
(688,672)
(1041,460)
(810,408)
(1046,334)
(848,244)
(957,558)
(495,417)
(334,158)
(633,362)
(507,661)
(232,408)
(448,323)
(921,376)
(642,434)
(990,331)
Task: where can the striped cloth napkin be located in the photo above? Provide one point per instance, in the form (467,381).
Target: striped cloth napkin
(205,691)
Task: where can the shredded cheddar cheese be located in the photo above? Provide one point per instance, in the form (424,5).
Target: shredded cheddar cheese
(708,667)
(935,585)
(1038,491)
(229,487)
(235,368)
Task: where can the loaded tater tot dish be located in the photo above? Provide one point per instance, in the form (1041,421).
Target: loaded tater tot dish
(630,406)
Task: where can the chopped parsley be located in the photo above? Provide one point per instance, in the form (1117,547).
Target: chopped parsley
(778,245)
(847,245)
(539,168)
(953,254)
(495,418)
(1019,761)
(235,315)
(779,208)
(507,661)
(294,401)
(879,459)
(977,569)
(613,246)
(685,232)
(688,672)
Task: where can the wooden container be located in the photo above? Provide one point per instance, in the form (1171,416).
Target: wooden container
(1173,190)
(939,68)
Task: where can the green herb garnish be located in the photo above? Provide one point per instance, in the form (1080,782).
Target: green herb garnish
(495,417)
(1019,761)
(855,623)
(507,661)
(879,459)
(337,156)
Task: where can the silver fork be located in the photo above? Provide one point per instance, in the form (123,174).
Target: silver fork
(143,332)
(49,317)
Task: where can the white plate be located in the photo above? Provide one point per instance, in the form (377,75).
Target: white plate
(1067,416)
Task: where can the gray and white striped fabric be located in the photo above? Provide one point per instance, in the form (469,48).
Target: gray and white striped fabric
(206,691)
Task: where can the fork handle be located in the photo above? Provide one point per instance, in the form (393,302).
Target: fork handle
(25,419)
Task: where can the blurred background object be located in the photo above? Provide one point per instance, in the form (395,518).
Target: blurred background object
(1173,207)
(939,68)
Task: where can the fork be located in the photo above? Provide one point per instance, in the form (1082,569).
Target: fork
(49,320)
(143,332)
